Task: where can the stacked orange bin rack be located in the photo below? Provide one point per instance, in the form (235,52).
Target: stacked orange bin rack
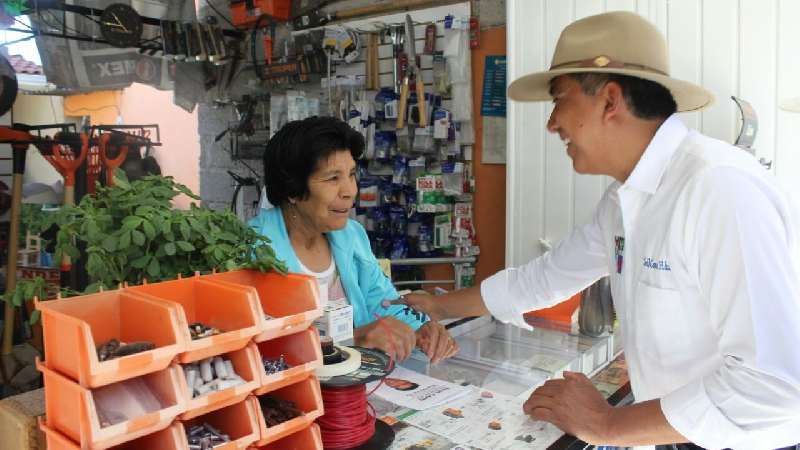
(259,315)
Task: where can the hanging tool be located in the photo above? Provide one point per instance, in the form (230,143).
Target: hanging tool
(412,70)
(19,140)
(372,62)
(397,49)
(430,39)
(115,143)
(93,168)
(62,155)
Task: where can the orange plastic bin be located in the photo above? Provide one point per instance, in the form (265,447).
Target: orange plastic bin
(234,310)
(302,353)
(239,421)
(170,438)
(306,439)
(306,395)
(74,327)
(246,364)
(291,301)
(71,409)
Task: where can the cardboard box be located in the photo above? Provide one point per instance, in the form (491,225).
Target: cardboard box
(336,321)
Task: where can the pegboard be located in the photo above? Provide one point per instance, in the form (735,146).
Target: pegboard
(421,19)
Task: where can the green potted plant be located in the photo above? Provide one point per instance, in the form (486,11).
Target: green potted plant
(132,233)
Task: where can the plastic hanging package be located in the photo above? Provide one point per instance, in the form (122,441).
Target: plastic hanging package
(441,124)
(278,113)
(416,168)
(441,78)
(400,172)
(425,240)
(404,141)
(384,98)
(380,222)
(368,194)
(397,218)
(453,178)
(456,51)
(462,101)
(399,248)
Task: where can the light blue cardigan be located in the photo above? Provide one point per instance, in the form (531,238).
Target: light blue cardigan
(362,278)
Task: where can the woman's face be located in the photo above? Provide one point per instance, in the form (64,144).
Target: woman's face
(331,192)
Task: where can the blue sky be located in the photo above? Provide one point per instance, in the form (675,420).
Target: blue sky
(27,48)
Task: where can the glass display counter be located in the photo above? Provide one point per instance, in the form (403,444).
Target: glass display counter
(503,364)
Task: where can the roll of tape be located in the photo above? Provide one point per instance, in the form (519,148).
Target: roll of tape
(353,362)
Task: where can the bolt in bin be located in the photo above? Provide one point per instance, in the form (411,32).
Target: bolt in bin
(291,302)
(72,410)
(308,398)
(74,327)
(239,421)
(170,438)
(234,310)
(308,438)
(302,353)
(246,364)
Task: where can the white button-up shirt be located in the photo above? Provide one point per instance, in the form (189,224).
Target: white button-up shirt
(701,248)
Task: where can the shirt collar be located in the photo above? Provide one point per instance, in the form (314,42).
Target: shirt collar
(647,173)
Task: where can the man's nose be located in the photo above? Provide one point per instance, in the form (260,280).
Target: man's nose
(551,124)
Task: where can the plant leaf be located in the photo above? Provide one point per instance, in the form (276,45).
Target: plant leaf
(153,268)
(186,232)
(141,262)
(169,248)
(138,238)
(124,240)
(149,229)
(185,246)
(110,244)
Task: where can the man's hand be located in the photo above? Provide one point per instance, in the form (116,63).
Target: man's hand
(376,335)
(574,405)
(425,303)
(434,339)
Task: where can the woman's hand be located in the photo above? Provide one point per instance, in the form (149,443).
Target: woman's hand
(434,339)
(376,335)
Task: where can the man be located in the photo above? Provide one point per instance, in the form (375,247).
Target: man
(698,243)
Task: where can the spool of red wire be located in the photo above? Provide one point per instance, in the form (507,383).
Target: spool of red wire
(347,423)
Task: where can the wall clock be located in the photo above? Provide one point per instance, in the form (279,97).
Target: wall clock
(121,25)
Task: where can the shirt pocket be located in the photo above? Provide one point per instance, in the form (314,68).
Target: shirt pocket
(662,334)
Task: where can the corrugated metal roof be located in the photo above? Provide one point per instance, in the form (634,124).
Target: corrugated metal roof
(22,65)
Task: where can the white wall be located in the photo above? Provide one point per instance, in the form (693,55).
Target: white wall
(747,48)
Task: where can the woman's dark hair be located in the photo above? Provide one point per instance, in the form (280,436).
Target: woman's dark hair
(295,150)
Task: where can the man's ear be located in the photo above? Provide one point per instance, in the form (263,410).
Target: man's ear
(613,99)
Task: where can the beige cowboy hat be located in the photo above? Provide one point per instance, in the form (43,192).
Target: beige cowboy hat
(616,42)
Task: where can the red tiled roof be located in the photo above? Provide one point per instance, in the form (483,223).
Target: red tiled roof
(21,65)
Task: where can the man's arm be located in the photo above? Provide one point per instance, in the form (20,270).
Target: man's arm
(462,303)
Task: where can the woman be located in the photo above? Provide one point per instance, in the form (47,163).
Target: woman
(310,177)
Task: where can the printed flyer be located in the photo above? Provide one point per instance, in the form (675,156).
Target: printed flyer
(486,420)
(413,390)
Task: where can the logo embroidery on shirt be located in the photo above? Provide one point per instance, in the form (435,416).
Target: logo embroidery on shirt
(619,247)
(660,264)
